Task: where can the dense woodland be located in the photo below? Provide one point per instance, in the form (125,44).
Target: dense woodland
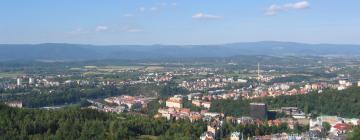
(345,103)
(76,123)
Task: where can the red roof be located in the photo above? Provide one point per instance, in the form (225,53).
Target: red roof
(185,110)
(341,126)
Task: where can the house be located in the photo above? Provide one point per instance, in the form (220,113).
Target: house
(195,116)
(207,136)
(315,86)
(185,111)
(206,105)
(245,120)
(340,128)
(214,128)
(196,103)
(174,102)
(274,122)
(290,110)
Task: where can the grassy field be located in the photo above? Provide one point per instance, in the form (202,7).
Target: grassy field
(10,74)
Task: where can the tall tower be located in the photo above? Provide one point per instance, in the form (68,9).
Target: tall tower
(258,71)
(18,81)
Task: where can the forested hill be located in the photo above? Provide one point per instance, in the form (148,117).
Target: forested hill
(53,51)
(85,124)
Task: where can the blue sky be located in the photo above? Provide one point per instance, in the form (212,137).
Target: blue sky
(179,21)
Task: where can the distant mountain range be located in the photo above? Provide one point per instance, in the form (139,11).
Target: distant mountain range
(70,52)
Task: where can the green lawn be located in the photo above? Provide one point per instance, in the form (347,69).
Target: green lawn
(10,74)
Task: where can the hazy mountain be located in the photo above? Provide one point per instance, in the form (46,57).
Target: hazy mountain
(53,51)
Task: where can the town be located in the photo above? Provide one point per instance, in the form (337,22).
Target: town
(196,93)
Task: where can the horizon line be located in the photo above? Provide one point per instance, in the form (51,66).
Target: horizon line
(164,44)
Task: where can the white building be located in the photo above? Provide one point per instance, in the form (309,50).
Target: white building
(17,104)
(206,104)
(18,81)
(235,136)
(241,80)
(342,82)
(31,81)
(341,87)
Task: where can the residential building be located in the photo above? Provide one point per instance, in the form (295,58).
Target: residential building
(258,111)
(174,102)
(206,105)
(214,128)
(196,103)
(340,129)
(207,136)
(31,81)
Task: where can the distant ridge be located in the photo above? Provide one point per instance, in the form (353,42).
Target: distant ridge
(73,52)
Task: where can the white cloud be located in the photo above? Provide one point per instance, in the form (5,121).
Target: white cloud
(205,16)
(78,31)
(133,30)
(301,5)
(153,8)
(128,15)
(157,7)
(274,9)
(101,28)
(142,9)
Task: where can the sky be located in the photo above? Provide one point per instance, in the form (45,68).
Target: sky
(112,22)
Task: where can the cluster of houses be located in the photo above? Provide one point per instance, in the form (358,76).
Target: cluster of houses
(26,81)
(285,136)
(120,104)
(278,89)
(209,83)
(48,81)
(174,110)
(204,98)
(131,102)
(343,84)
(339,126)
(157,77)
(16,104)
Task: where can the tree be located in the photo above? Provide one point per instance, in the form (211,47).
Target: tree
(354,135)
(326,126)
